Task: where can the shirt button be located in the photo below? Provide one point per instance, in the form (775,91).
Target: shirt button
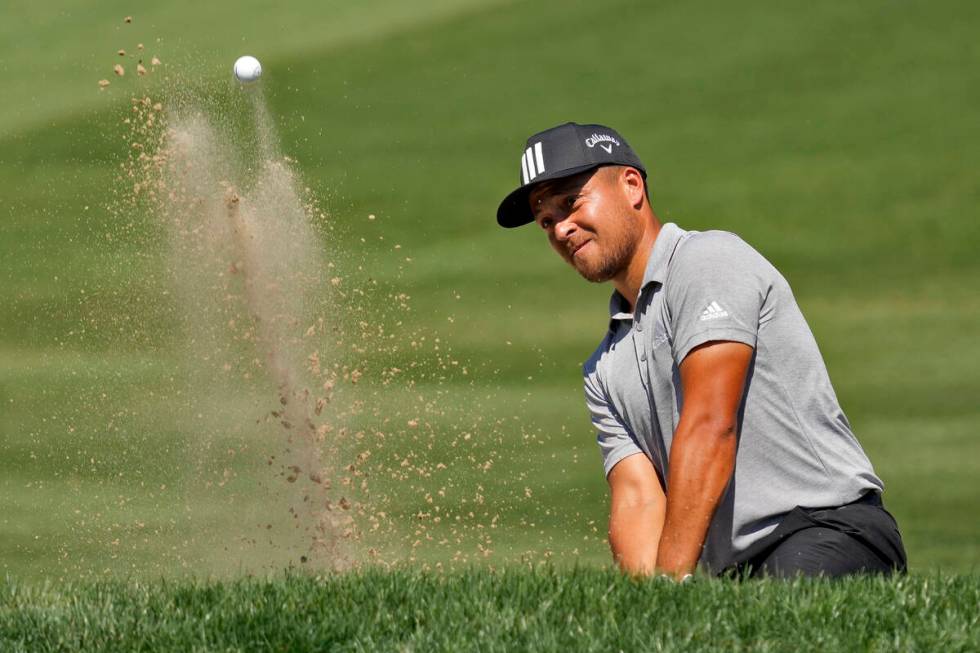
(643,356)
(639,326)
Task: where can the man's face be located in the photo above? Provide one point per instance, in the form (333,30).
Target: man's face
(588,221)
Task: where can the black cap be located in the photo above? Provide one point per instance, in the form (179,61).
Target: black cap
(563,151)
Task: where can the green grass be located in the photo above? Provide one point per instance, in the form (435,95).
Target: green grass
(837,139)
(510,610)
(48,83)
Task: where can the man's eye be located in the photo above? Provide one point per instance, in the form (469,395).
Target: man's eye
(570,201)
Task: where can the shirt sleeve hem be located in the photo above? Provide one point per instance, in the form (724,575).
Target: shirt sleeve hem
(616,457)
(731,334)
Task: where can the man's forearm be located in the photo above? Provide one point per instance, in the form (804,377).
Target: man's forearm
(702,460)
(634,533)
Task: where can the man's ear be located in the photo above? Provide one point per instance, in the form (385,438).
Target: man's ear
(633,184)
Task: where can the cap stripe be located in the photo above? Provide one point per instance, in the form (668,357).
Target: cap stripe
(524,167)
(539,156)
(532,173)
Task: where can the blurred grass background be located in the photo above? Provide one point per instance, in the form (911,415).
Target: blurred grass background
(840,139)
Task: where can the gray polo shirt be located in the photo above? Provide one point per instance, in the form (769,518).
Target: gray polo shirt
(795,445)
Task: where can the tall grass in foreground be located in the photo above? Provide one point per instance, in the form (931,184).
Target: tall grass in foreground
(509,610)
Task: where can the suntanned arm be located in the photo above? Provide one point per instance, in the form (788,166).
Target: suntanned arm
(702,454)
(636,514)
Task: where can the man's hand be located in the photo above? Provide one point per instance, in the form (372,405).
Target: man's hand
(636,516)
(702,454)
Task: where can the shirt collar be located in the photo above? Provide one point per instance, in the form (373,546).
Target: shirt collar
(618,309)
(656,271)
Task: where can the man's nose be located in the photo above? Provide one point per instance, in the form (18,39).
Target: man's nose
(564,229)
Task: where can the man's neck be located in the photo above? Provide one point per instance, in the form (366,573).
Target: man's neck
(628,283)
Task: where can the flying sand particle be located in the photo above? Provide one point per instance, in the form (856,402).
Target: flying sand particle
(119,70)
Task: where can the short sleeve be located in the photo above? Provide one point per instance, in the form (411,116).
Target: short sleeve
(715,290)
(615,442)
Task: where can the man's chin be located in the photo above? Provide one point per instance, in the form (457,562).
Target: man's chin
(591,270)
(592,274)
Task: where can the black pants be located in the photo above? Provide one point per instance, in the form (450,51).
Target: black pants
(857,538)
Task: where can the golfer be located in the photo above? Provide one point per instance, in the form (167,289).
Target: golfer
(723,442)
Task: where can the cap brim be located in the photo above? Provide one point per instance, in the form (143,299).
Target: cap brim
(515,210)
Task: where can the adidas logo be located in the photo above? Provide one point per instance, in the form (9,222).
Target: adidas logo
(713,312)
(528,160)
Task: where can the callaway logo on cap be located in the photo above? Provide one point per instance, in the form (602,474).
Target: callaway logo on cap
(563,151)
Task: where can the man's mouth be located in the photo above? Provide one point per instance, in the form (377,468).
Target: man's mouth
(574,249)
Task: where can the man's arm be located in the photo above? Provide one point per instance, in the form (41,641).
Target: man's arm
(636,514)
(702,454)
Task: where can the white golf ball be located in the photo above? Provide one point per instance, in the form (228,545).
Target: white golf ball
(247,69)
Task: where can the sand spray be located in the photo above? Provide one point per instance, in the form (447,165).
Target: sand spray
(317,421)
(246,264)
